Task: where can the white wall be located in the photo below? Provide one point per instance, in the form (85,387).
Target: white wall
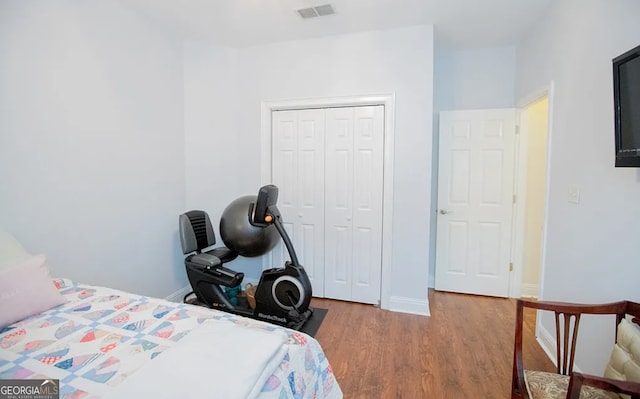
(467,79)
(475,79)
(395,61)
(91,142)
(211,126)
(592,247)
(215,154)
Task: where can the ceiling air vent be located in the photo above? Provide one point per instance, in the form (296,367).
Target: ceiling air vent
(324,10)
(307,13)
(317,11)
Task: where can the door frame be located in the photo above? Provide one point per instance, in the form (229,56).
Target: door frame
(386,100)
(517,244)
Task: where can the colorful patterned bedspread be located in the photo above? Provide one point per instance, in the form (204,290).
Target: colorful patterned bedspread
(102,336)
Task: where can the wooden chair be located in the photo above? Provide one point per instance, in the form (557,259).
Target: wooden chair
(622,374)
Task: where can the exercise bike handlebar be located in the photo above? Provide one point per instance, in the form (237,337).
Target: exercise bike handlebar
(265,212)
(286,240)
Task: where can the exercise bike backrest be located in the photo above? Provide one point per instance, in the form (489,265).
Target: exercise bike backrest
(196,232)
(265,212)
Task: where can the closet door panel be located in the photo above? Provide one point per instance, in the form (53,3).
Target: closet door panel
(309,225)
(339,203)
(298,171)
(368,139)
(284,171)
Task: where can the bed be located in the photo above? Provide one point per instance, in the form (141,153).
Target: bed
(106,343)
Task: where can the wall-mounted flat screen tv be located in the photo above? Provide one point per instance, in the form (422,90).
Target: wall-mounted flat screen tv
(626,98)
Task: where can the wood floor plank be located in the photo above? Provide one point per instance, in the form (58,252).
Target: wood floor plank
(463,350)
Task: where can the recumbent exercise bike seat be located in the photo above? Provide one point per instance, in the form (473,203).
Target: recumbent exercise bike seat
(196,235)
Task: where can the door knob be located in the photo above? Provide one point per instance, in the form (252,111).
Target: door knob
(443,211)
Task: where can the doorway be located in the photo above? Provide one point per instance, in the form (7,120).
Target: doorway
(529,225)
(455,258)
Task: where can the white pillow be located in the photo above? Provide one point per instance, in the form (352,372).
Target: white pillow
(26,289)
(624,363)
(11,251)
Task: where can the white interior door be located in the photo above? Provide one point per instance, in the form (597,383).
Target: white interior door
(475,201)
(328,164)
(353,203)
(298,171)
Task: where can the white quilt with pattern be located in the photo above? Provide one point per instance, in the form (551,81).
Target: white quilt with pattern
(102,336)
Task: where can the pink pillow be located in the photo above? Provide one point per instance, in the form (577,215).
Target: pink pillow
(26,289)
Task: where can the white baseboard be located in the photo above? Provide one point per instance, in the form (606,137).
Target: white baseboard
(409,305)
(530,291)
(179,294)
(547,342)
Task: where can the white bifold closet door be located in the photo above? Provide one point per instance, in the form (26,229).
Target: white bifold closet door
(298,171)
(328,164)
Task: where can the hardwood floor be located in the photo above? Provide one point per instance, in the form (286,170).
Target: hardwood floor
(463,350)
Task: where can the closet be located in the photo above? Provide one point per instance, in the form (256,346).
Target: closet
(328,164)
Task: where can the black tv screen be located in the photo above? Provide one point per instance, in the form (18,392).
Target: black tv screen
(626,96)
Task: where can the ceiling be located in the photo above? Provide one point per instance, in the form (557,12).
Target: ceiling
(459,24)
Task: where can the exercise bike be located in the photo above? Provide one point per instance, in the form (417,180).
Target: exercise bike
(247,228)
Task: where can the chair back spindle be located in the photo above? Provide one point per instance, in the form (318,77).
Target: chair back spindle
(566,338)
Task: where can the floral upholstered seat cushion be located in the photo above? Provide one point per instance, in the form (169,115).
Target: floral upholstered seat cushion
(543,385)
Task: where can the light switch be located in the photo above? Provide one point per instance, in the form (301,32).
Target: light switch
(574,194)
